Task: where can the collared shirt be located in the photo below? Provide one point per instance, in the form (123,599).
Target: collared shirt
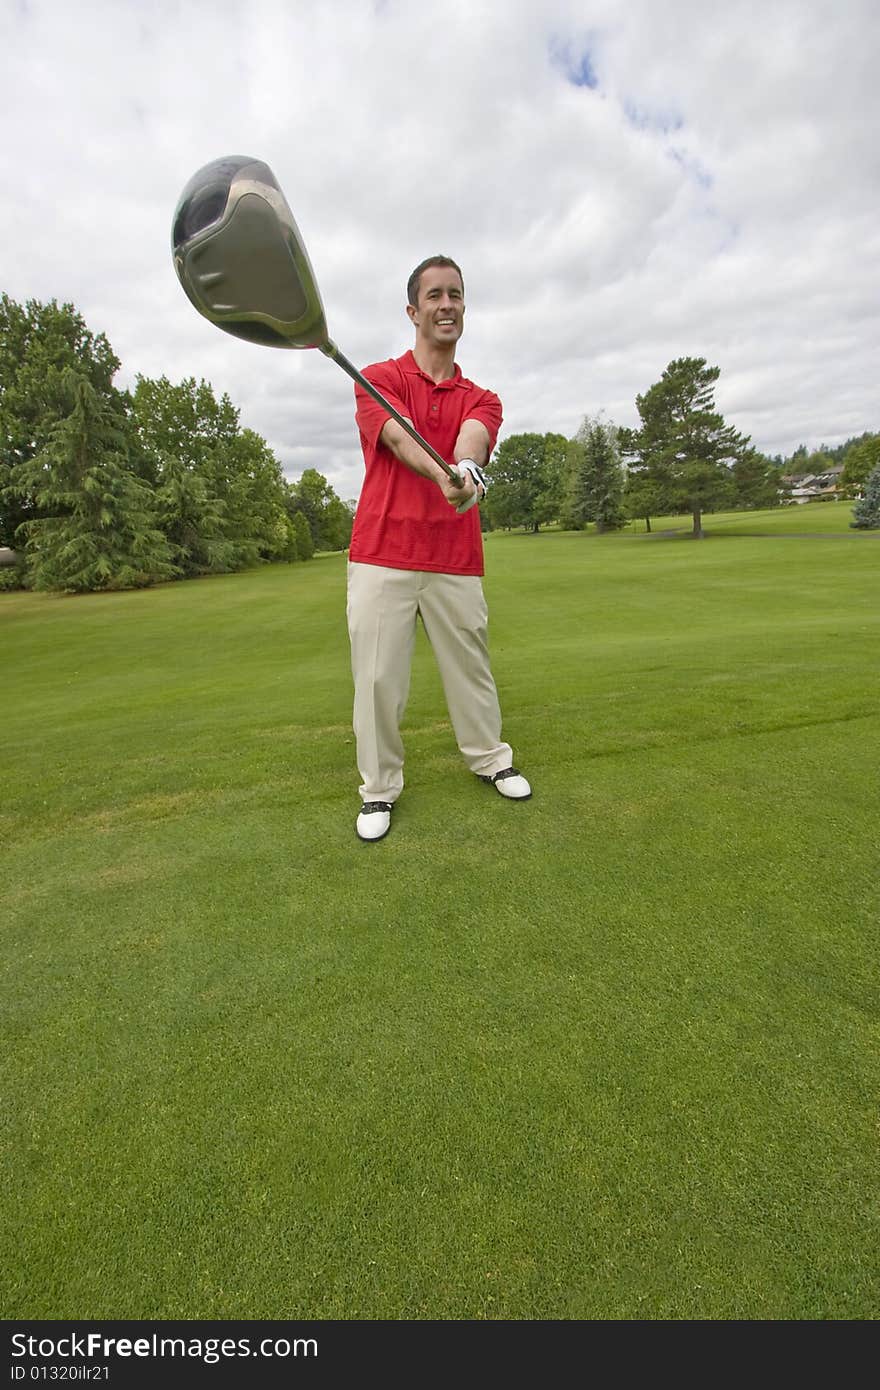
(403,521)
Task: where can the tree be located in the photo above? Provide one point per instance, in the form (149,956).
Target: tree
(183,421)
(866,512)
(527,481)
(756,481)
(328,517)
(336,525)
(38,343)
(232,517)
(97,525)
(287,548)
(859,462)
(193,522)
(255,493)
(642,498)
(309,495)
(179,429)
(305,546)
(684,447)
(596,480)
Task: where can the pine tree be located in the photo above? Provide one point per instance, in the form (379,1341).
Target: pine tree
(597,477)
(192,521)
(756,481)
(866,512)
(37,343)
(97,527)
(684,447)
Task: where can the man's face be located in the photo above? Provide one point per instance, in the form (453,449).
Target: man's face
(439,318)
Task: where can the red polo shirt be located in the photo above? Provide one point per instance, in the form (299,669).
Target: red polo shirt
(403,521)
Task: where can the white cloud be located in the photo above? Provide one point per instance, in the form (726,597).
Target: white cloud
(622,184)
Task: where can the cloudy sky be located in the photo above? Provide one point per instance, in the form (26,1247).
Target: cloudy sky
(622,181)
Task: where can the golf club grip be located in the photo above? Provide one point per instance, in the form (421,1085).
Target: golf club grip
(332,351)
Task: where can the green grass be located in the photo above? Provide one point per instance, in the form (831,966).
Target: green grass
(808,518)
(611,1053)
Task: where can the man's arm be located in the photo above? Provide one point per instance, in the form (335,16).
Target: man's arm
(473,443)
(395,438)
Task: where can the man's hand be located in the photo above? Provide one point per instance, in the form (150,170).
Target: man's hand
(461,498)
(468,471)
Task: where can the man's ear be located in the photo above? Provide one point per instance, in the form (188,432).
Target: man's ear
(412,311)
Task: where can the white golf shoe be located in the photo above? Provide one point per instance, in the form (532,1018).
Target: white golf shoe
(374,820)
(510,783)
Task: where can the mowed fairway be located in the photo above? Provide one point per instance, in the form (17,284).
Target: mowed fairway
(611,1053)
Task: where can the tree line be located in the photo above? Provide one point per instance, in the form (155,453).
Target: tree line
(109,489)
(683,458)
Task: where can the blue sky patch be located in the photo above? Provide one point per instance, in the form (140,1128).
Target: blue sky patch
(576,62)
(664,122)
(584,74)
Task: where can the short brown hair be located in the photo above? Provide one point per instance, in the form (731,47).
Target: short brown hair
(412,284)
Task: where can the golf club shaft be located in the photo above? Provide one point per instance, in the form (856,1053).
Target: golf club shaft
(331,350)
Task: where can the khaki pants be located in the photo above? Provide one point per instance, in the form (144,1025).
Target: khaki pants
(383,605)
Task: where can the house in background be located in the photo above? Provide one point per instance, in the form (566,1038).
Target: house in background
(811,487)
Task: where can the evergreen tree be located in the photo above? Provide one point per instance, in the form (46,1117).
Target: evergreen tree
(193,522)
(756,481)
(597,477)
(38,342)
(684,447)
(798,466)
(97,527)
(866,512)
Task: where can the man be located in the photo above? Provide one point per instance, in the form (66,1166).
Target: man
(417,549)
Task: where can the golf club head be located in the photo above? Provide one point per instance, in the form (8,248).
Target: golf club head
(241,260)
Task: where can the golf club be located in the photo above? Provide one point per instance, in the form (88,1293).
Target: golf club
(241,260)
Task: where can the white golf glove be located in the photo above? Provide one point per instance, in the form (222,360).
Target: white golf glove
(479,481)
